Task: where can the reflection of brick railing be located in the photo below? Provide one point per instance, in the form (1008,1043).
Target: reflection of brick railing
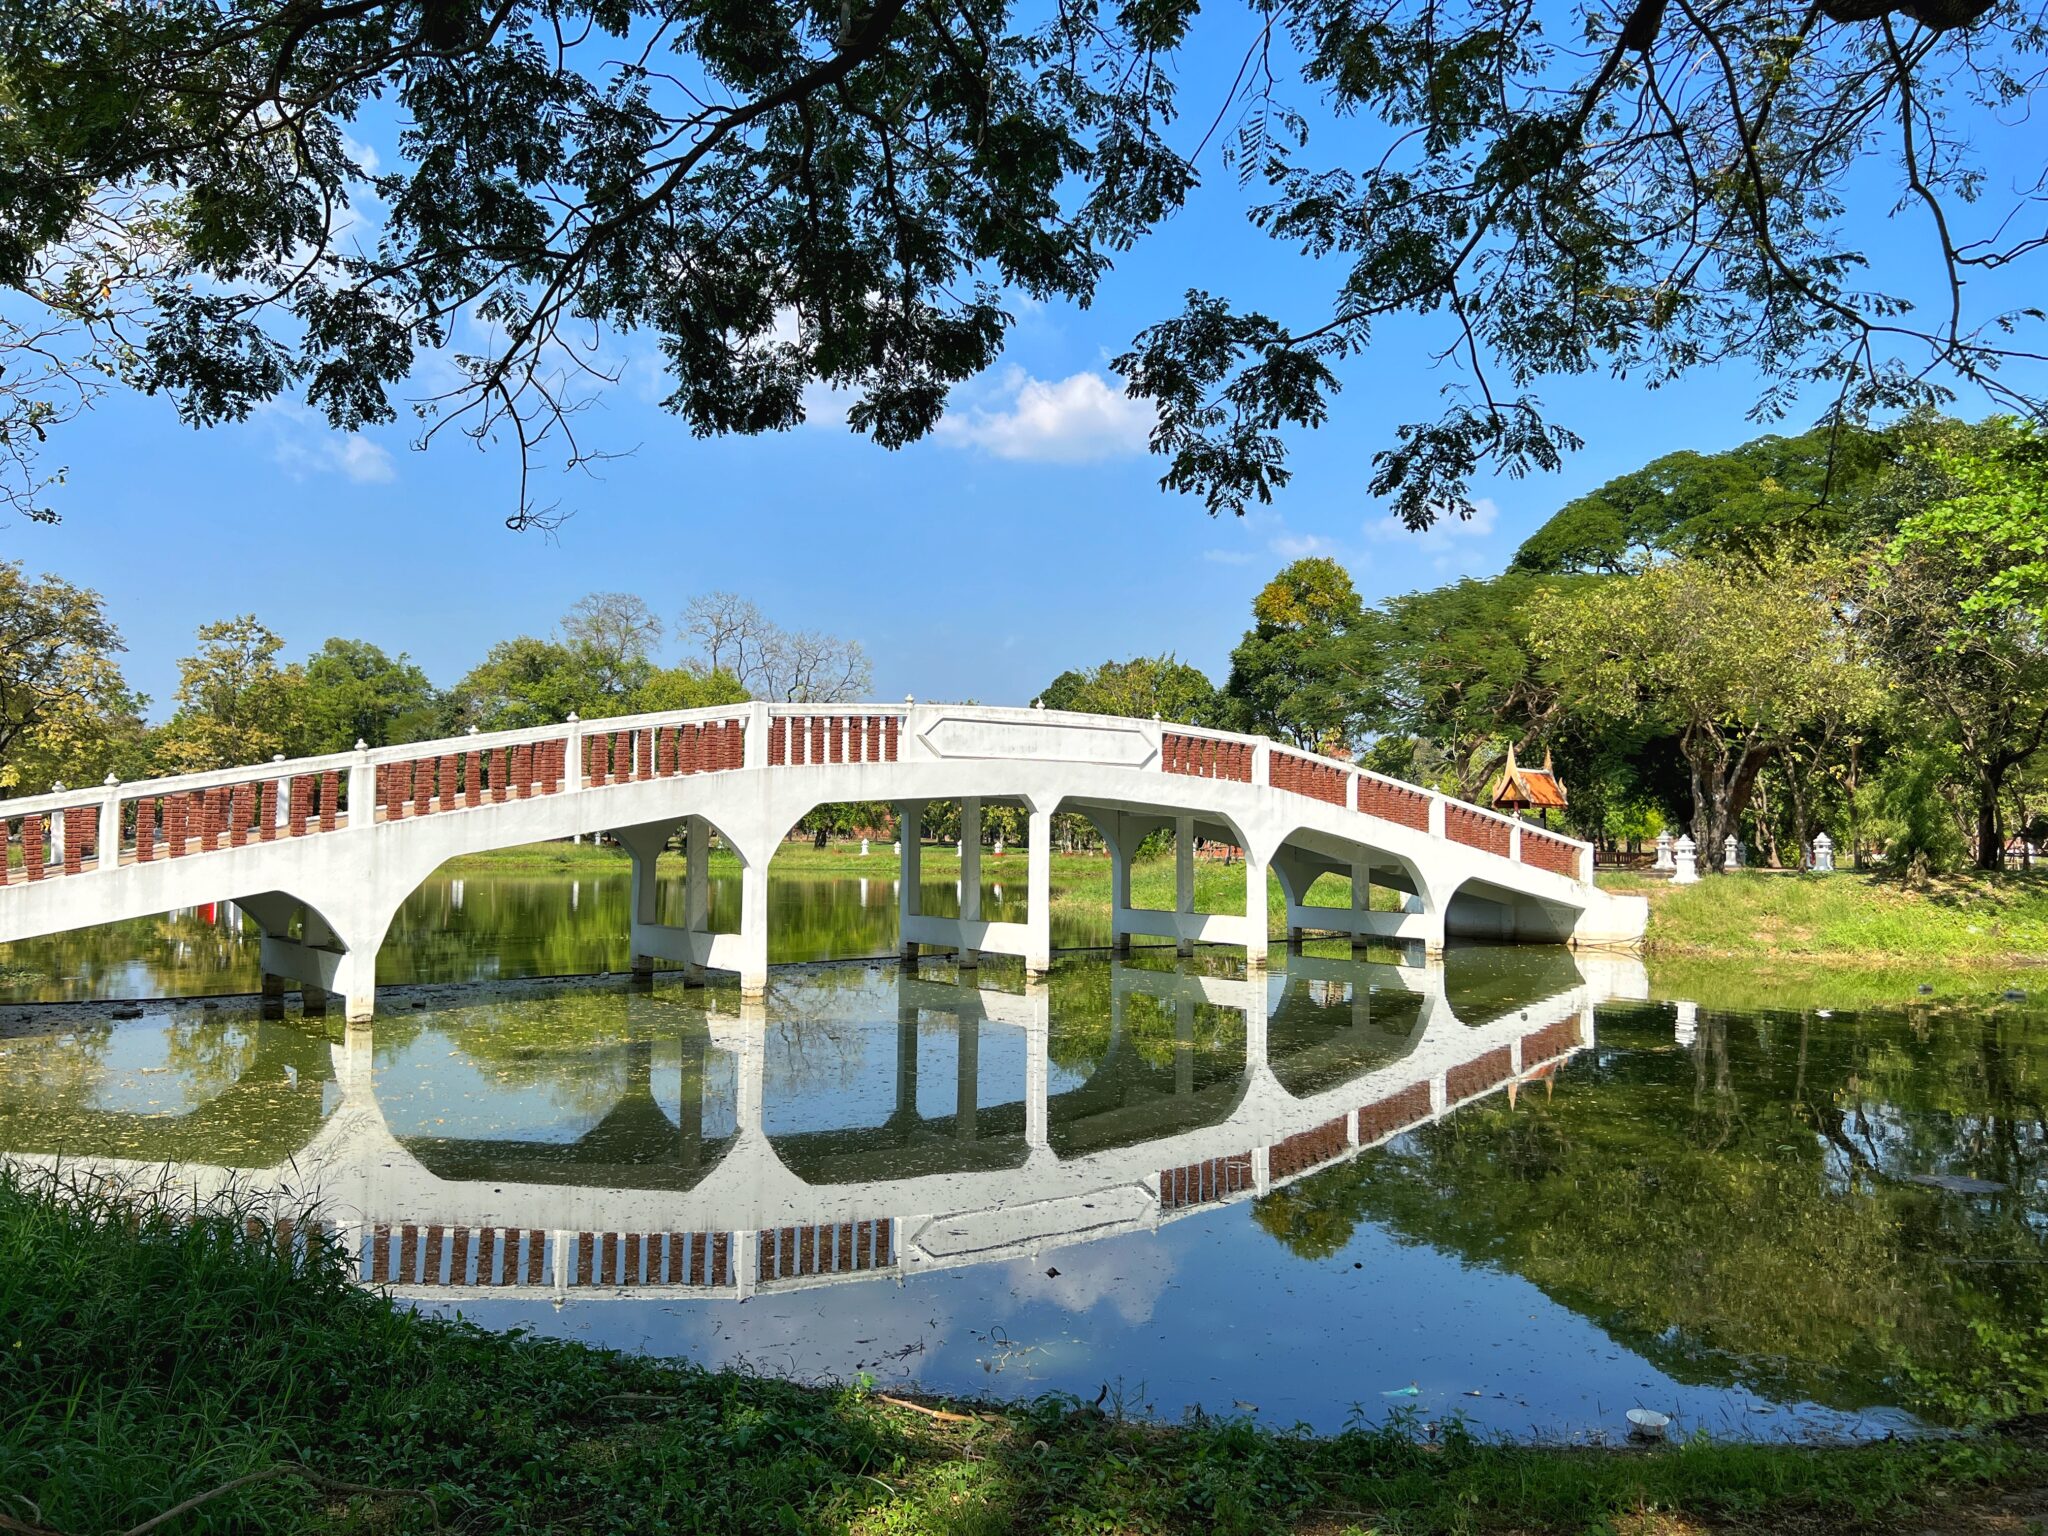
(1393,802)
(1551,853)
(1307,1148)
(1479,1074)
(827,1249)
(1550,1042)
(1204,757)
(1383,1117)
(807,740)
(654,1258)
(473,1256)
(1200,1183)
(1305,776)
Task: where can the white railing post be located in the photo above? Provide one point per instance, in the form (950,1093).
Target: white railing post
(756,751)
(572,765)
(110,825)
(1436,815)
(362,789)
(1262,762)
(1515,842)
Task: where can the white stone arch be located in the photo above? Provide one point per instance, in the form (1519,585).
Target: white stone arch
(1305,852)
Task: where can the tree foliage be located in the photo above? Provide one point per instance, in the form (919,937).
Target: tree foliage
(1736,661)
(1295,674)
(57,672)
(236,703)
(1140,688)
(785,194)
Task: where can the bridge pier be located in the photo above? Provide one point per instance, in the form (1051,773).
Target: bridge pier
(909,875)
(970,875)
(1184,880)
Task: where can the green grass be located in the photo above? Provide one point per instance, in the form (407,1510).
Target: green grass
(147,1359)
(1974,921)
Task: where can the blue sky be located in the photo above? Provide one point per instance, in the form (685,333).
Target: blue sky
(1028,536)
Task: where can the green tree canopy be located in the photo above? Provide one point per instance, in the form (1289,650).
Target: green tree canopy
(1736,660)
(1767,496)
(236,704)
(784,193)
(57,677)
(1295,675)
(1142,687)
(354,692)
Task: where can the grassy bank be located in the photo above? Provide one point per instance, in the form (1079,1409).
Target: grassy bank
(1975,922)
(145,1363)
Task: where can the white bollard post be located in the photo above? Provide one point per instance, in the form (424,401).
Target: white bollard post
(863,847)
(1823,854)
(1664,851)
(1732,853)
(1685,869)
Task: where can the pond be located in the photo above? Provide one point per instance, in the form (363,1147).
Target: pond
(1519,1187)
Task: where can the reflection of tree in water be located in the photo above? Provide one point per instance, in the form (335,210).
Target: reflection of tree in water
(255,1095)
(1747,1213)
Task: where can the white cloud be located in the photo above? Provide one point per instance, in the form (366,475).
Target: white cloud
(1076,420)
(306,446)
(1229,556)
(1298,546)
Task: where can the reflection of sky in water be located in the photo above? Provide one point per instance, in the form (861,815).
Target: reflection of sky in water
(141,1073)
(1210,1308)
(1211,1312)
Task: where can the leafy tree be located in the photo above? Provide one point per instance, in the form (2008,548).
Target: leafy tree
(93,727)
(524,682)
(1765,497)
(1952,606)
(1295,675)
(235,703)
(1992,521)
(354,692)
(670,688)
(1140,688)
(56,664)
(791,193)
(1450,672)
(1737,662)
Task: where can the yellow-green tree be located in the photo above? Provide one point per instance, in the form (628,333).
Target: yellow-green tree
(236,704)
(1736,660)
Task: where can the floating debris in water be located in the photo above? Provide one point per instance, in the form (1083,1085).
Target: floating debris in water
(1411,1390)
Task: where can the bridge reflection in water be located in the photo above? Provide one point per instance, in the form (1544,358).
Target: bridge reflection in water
(729,1146)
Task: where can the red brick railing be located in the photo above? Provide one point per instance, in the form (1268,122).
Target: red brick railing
(1479,1074)
(830,1248)
(50,836)
(1551,853)
(1307,776)
(1200,1183)
(1395,1113)
(1305,1149)
(1393,802)
(1477,829)
(808,740)
(1206,757)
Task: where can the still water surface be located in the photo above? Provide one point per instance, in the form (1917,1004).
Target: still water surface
(1511,1188)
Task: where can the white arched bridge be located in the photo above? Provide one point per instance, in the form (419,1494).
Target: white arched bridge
(321,851)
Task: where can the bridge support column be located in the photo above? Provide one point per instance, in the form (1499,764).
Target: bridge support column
(1184,877)
(1361,903)
(909,871)
(970,875)
(1038,917)
(1119,886)
(696,888)
(753,933)
(1257,923)
(1037,1078)
(645,850)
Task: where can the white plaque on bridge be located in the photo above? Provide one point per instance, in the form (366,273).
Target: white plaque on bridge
(1118,745)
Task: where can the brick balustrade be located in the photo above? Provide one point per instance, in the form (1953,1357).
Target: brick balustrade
(1205,757)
